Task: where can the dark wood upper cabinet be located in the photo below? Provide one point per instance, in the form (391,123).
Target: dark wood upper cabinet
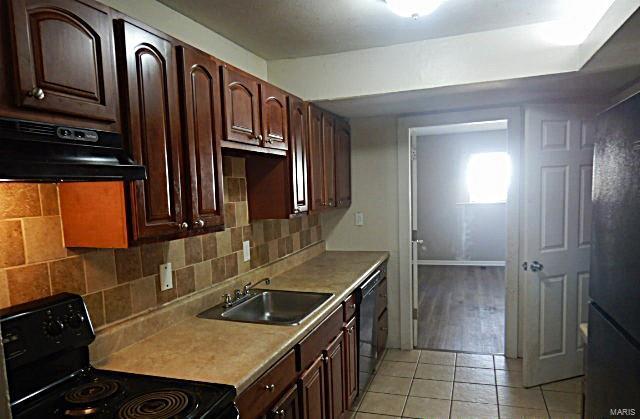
(150,85)
(328,159)
(63,60)
(241,107)
(343,164)
(273,110)
(299,154)
(316,166)
(313,391)
(202,110)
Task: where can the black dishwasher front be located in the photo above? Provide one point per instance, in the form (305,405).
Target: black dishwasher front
(368,322)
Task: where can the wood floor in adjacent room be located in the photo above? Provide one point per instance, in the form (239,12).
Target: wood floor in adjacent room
(461,308)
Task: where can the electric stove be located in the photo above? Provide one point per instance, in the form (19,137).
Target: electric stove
(47,356)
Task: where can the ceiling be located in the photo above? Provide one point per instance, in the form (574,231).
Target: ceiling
(276,29)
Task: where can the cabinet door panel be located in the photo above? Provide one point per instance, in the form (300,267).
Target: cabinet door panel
(203,127)
(343,164)
(274,117)
(288,407)
(299,154)
(316,167)
(65,48)
(241,106)
(351,361)
(336,377)
(328,159)
(313,389)
(154,131)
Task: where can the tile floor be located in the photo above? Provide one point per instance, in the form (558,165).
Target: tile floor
(432,384)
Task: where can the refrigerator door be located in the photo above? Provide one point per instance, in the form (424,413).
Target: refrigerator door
(615,258)
(613,370)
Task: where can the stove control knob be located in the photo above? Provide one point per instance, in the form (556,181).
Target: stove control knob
(76,320)
(54,328)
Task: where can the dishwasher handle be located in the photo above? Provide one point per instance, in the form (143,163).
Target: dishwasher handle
(370,286)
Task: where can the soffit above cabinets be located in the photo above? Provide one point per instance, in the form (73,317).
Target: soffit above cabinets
(277,29)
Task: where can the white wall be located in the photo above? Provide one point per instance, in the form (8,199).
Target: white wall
(167,20)
(374,177)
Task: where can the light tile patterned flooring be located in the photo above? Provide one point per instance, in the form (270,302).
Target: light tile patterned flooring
(432,384)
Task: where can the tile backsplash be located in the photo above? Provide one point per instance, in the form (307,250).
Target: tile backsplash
(121,283)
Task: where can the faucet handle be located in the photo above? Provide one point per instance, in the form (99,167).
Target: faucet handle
(227,300)
(245,289)
(237,293)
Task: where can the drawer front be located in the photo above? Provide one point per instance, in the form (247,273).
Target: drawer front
(383,332)
(381,297)
(349,307)
(309,348)
(256,400)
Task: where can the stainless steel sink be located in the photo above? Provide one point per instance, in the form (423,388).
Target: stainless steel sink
(270,306)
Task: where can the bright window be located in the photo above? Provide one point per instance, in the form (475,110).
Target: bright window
(488,177)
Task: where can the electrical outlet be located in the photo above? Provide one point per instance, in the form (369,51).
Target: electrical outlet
(166,277)
(359,218)
(246,250)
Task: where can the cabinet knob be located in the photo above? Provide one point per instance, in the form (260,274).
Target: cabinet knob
(352,305)
(199,223)
(384,329)
(270,387)
(184,225)
(258,137)
(296,210)
(280,413)
(37,93)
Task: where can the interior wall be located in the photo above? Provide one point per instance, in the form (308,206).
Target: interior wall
(374,177)
(165,19)
(451,228)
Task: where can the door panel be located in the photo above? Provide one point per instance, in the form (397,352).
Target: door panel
(316,167)
(203,126)
(299,154)
(288,407)
(241,107)
(351,361)
(343,164)
(64,47)
(557,213)
(336,376)
(328,159)
(313,388)
(274,117)
(154,131)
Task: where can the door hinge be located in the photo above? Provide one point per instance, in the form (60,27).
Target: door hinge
(415,314)
(414,154)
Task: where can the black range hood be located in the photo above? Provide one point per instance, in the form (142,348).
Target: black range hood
(41,152)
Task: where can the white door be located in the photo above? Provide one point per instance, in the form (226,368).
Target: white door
(558,161)
(415,241)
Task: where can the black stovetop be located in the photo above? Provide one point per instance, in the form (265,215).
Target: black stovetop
(99,394)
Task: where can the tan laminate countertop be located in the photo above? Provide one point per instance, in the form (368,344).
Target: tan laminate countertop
(227,352)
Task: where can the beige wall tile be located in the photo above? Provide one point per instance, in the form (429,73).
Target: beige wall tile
(175,253)
(117,303)
(243,266)
(229,214)
(230,265)
(166,295)
(209,247)
(224,242)
(202,275)
(143,293)
(128,264)
(295,225)
(236,239)
(218,270)
(49,198)
(185,281)
(11,244)
(67,275)
(273,250)
(153,255)
(227,168)
(95,305)
(19,200)
(28,283)
(4,290)
(43,239)
(242,213)
(238,167)
(193,250)
(100,270)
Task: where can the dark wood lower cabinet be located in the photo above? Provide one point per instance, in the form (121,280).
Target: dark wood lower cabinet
(313,389)
(288,407)
(336,375)
(351,361)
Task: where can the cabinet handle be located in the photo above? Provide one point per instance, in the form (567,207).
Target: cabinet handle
(199,223)
(384,329)
(352,305)
(258,137)
(270,387)
(280,413)
(325,358)
(184,225)
(296,210)
(36,92)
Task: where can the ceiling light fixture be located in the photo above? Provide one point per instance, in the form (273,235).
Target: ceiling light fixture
(413,8)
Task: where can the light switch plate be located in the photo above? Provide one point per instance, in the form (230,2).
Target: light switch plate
(166,277)
(359,218)
(246,250)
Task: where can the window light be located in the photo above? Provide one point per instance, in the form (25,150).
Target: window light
(488,177)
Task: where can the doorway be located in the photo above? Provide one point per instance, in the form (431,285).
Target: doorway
(460,181)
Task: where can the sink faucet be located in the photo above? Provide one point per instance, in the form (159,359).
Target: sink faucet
(241,295)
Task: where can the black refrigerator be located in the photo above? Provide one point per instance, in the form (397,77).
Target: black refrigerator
(613,350)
